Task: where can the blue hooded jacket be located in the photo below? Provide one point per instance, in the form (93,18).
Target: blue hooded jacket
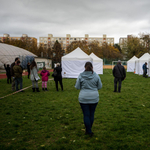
(89,83)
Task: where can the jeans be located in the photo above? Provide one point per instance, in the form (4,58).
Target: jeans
(17,82)
(115,84)
(88,115)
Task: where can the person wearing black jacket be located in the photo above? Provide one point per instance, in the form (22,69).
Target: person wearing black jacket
(58,77)
(120,74)
(8,73)
(28,69)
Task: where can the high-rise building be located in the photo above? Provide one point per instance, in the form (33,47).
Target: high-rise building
(48,42)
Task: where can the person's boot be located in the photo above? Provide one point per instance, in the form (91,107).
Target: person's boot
(43,89)
(119,89)
(37,89)
(46,89)
(33,89)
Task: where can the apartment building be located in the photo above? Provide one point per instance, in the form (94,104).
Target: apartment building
(47,42)
(23,37)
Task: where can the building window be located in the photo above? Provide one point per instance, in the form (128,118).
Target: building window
(71,38)
(59,38)
(74,38)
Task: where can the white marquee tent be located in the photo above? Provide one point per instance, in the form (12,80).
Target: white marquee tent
(97,64)
(148,67)
(131,64)
(139,63)
(8,53)
(73,63)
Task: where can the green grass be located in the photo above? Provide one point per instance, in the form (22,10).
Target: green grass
(54,121)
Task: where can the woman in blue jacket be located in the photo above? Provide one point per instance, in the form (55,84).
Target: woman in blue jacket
(89,83)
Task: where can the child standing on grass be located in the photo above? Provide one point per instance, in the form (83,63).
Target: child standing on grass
(44,74)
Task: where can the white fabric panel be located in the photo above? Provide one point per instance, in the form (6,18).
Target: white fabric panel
(73,63)
(72,69)
(130,66)
(148,68)
(97,64)
(98,67)
(137,67)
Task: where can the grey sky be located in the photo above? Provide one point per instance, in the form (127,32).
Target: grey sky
(38,18)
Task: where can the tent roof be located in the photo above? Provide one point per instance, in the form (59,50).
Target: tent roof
(145,56)
(133,58)
(95,57)
(76,54)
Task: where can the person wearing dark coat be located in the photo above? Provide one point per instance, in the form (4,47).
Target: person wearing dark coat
(12,73)
(58,77)
(145,69)
(8,73)
(119,73)
(18,75)
(28,69)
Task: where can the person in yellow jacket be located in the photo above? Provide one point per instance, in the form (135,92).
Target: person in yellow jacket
(18,75)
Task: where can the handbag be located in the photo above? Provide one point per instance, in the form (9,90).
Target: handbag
(122,78)
(54,73)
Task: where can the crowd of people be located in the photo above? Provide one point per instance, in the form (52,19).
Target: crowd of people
(14,75)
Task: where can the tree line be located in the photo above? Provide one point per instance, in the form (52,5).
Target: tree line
(134,46)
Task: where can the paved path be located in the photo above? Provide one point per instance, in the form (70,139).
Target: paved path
(3,76)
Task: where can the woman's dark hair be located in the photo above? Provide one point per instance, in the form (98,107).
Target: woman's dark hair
(16,58)
(33,64)
(88,66)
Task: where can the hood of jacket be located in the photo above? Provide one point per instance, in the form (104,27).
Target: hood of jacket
(88,75)
(43,71)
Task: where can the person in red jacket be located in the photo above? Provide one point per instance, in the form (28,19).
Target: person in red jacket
(44,73)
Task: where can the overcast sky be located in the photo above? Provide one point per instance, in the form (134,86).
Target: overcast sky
(38,18)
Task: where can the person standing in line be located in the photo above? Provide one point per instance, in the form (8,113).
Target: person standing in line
(34,76)
(28,69)
(58,77)
(145,69)
(44,73)
(18,75)
(120,74)
(8,73)
(88,82)
(12,72)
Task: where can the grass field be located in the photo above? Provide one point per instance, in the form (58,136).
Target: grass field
(54,121)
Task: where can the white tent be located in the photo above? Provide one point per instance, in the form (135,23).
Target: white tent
(97,64)
(131,64)
(73,63)
(139,63)
(148,67)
